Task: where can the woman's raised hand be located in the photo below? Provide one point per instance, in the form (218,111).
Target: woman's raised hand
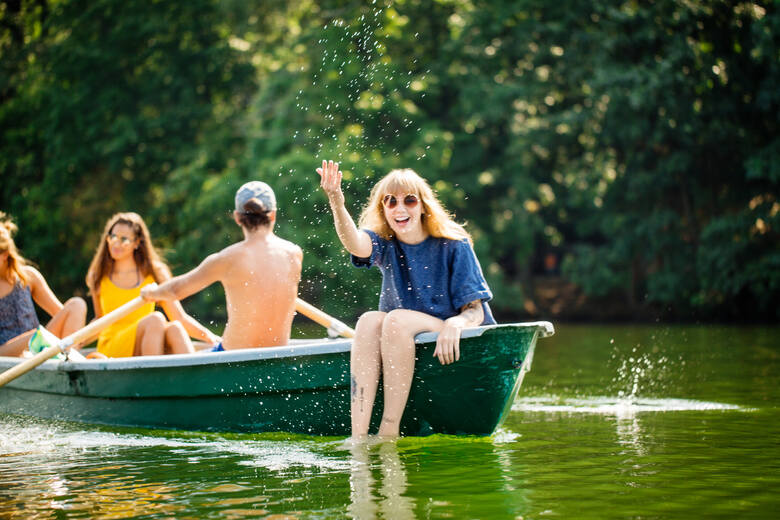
(355,241)
(330,181)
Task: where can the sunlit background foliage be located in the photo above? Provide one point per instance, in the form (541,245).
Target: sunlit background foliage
(622,153)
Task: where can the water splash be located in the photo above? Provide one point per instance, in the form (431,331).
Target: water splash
(639,371)
(503,436)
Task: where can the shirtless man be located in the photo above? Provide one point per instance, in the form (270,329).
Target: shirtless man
(260,275)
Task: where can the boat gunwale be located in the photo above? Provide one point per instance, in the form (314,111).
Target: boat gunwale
(297,348)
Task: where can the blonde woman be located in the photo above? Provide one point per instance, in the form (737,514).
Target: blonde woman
(20,285)
(431,281)
(124,262)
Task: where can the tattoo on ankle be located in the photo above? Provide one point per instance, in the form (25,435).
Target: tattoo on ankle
(353,386)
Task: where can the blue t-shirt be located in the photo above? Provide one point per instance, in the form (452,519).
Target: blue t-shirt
(438,276)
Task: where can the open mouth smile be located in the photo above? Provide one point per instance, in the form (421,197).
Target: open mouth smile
(402,222)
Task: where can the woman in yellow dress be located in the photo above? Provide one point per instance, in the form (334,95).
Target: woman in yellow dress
(126,261)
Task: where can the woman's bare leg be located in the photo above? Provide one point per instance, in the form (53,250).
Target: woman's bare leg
(176,339)
(397,346)
(69,319)
(16,346)
(150,335)
(364,365)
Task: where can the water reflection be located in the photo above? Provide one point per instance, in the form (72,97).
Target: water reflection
(382,497)
(629,431)
(97,495)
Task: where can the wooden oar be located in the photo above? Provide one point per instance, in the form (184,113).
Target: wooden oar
(329,322)
(65,343)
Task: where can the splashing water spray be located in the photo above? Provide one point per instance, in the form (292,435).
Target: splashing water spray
(637,372)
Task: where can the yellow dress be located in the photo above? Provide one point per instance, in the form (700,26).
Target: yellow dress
(118,339)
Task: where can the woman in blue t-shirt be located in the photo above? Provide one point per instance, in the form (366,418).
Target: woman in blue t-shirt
(431,281)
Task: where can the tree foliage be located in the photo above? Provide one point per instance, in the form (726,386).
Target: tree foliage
(637,140)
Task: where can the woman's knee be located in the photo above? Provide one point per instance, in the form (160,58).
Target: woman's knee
(368,333)
(174,329)
(76,306)
(72,317)
(395,322)
(407,323)
(370,322)
(153,322)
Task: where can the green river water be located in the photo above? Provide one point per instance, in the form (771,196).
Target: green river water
(611,422)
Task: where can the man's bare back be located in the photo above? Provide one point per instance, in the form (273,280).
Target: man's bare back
(260,277)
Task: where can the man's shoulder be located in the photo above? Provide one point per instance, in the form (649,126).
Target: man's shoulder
(227,254)
(229,250)
(286,245)
(275,245)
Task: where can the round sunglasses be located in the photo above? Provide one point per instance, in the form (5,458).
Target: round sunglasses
(410,201)
(113,237)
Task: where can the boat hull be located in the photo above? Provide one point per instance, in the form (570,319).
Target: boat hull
(302,388)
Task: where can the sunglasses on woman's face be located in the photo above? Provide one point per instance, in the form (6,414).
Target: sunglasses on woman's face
(390,201)
(113,237)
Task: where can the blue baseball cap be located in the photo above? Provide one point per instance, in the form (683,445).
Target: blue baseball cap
(256,190)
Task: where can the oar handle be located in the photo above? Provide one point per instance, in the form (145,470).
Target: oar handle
(323,319)
(66,342)
(22,368)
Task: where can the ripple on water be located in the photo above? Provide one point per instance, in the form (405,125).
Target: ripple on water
(616,405)
(27,437)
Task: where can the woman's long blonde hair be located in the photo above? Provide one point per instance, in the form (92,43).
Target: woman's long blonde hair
(15,262)
(435,219)
(145,255)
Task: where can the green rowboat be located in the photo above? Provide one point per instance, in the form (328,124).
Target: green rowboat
(299,388)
